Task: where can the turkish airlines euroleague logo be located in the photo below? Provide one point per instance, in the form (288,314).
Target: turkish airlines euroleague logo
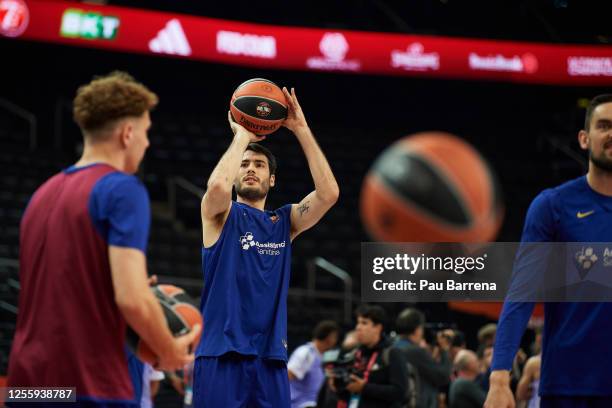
(263,109)
(334,47)
(14,17)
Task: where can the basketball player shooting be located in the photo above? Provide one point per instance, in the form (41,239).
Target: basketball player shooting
(246,260)
(577,335)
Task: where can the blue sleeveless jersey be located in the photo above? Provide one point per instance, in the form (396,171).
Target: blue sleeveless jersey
(246,279)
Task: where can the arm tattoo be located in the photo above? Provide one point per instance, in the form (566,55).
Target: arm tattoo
(304,208)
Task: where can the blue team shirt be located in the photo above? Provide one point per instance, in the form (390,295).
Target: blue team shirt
(246,279)
(120,210)
(576,357)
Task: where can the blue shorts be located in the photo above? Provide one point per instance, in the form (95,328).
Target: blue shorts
(563,401)
(236,381)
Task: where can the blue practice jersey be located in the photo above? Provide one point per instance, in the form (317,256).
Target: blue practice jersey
(246,279)
(576,357)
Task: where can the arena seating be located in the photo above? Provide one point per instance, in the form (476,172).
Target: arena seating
(189,145)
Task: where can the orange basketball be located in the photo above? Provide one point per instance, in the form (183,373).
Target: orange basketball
(181,315)
(259,105)
(431,187)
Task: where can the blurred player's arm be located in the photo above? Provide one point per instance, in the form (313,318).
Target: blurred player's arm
(540,226)
(523,389)
(143,312)
(312,207)
(512,324)
(155,382)
(299,363)
(436,372)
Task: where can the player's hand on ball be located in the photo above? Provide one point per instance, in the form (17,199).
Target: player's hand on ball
(238,128)
(295,116)
(182,352)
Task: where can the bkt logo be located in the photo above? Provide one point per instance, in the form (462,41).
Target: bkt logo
(89,25)
(585,260)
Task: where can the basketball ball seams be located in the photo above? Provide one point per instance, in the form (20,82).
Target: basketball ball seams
(282,105)
(451,182)
(166,298)
(498,204)
(254,80)
(469,156)
(175,320)
(421,211)
(169,290)
(424,226)
(469,200)
(180,315)
(186,326)
(249,103)
(488,194)
(251,125)
(449,205)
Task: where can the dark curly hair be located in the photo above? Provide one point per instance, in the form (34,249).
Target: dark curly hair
(109,98)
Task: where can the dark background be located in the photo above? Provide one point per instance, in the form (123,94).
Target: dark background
(526,132)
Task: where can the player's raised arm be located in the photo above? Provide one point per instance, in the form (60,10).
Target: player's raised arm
(311,208)
(216,200)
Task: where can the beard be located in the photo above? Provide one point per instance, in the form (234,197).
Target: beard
(252,193)
(601,162)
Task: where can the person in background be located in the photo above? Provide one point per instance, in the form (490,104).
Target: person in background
(382,377)
(305,368)
(527,389)
(464,391)
(433,374)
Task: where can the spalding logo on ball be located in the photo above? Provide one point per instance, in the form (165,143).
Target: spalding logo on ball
(181,314)
(259,105)
(431,187)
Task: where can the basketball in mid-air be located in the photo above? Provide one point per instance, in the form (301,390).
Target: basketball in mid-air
(431,187)
(259,105)
(181,314)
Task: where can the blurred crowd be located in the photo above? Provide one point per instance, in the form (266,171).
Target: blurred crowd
(386,362)
(402,362)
